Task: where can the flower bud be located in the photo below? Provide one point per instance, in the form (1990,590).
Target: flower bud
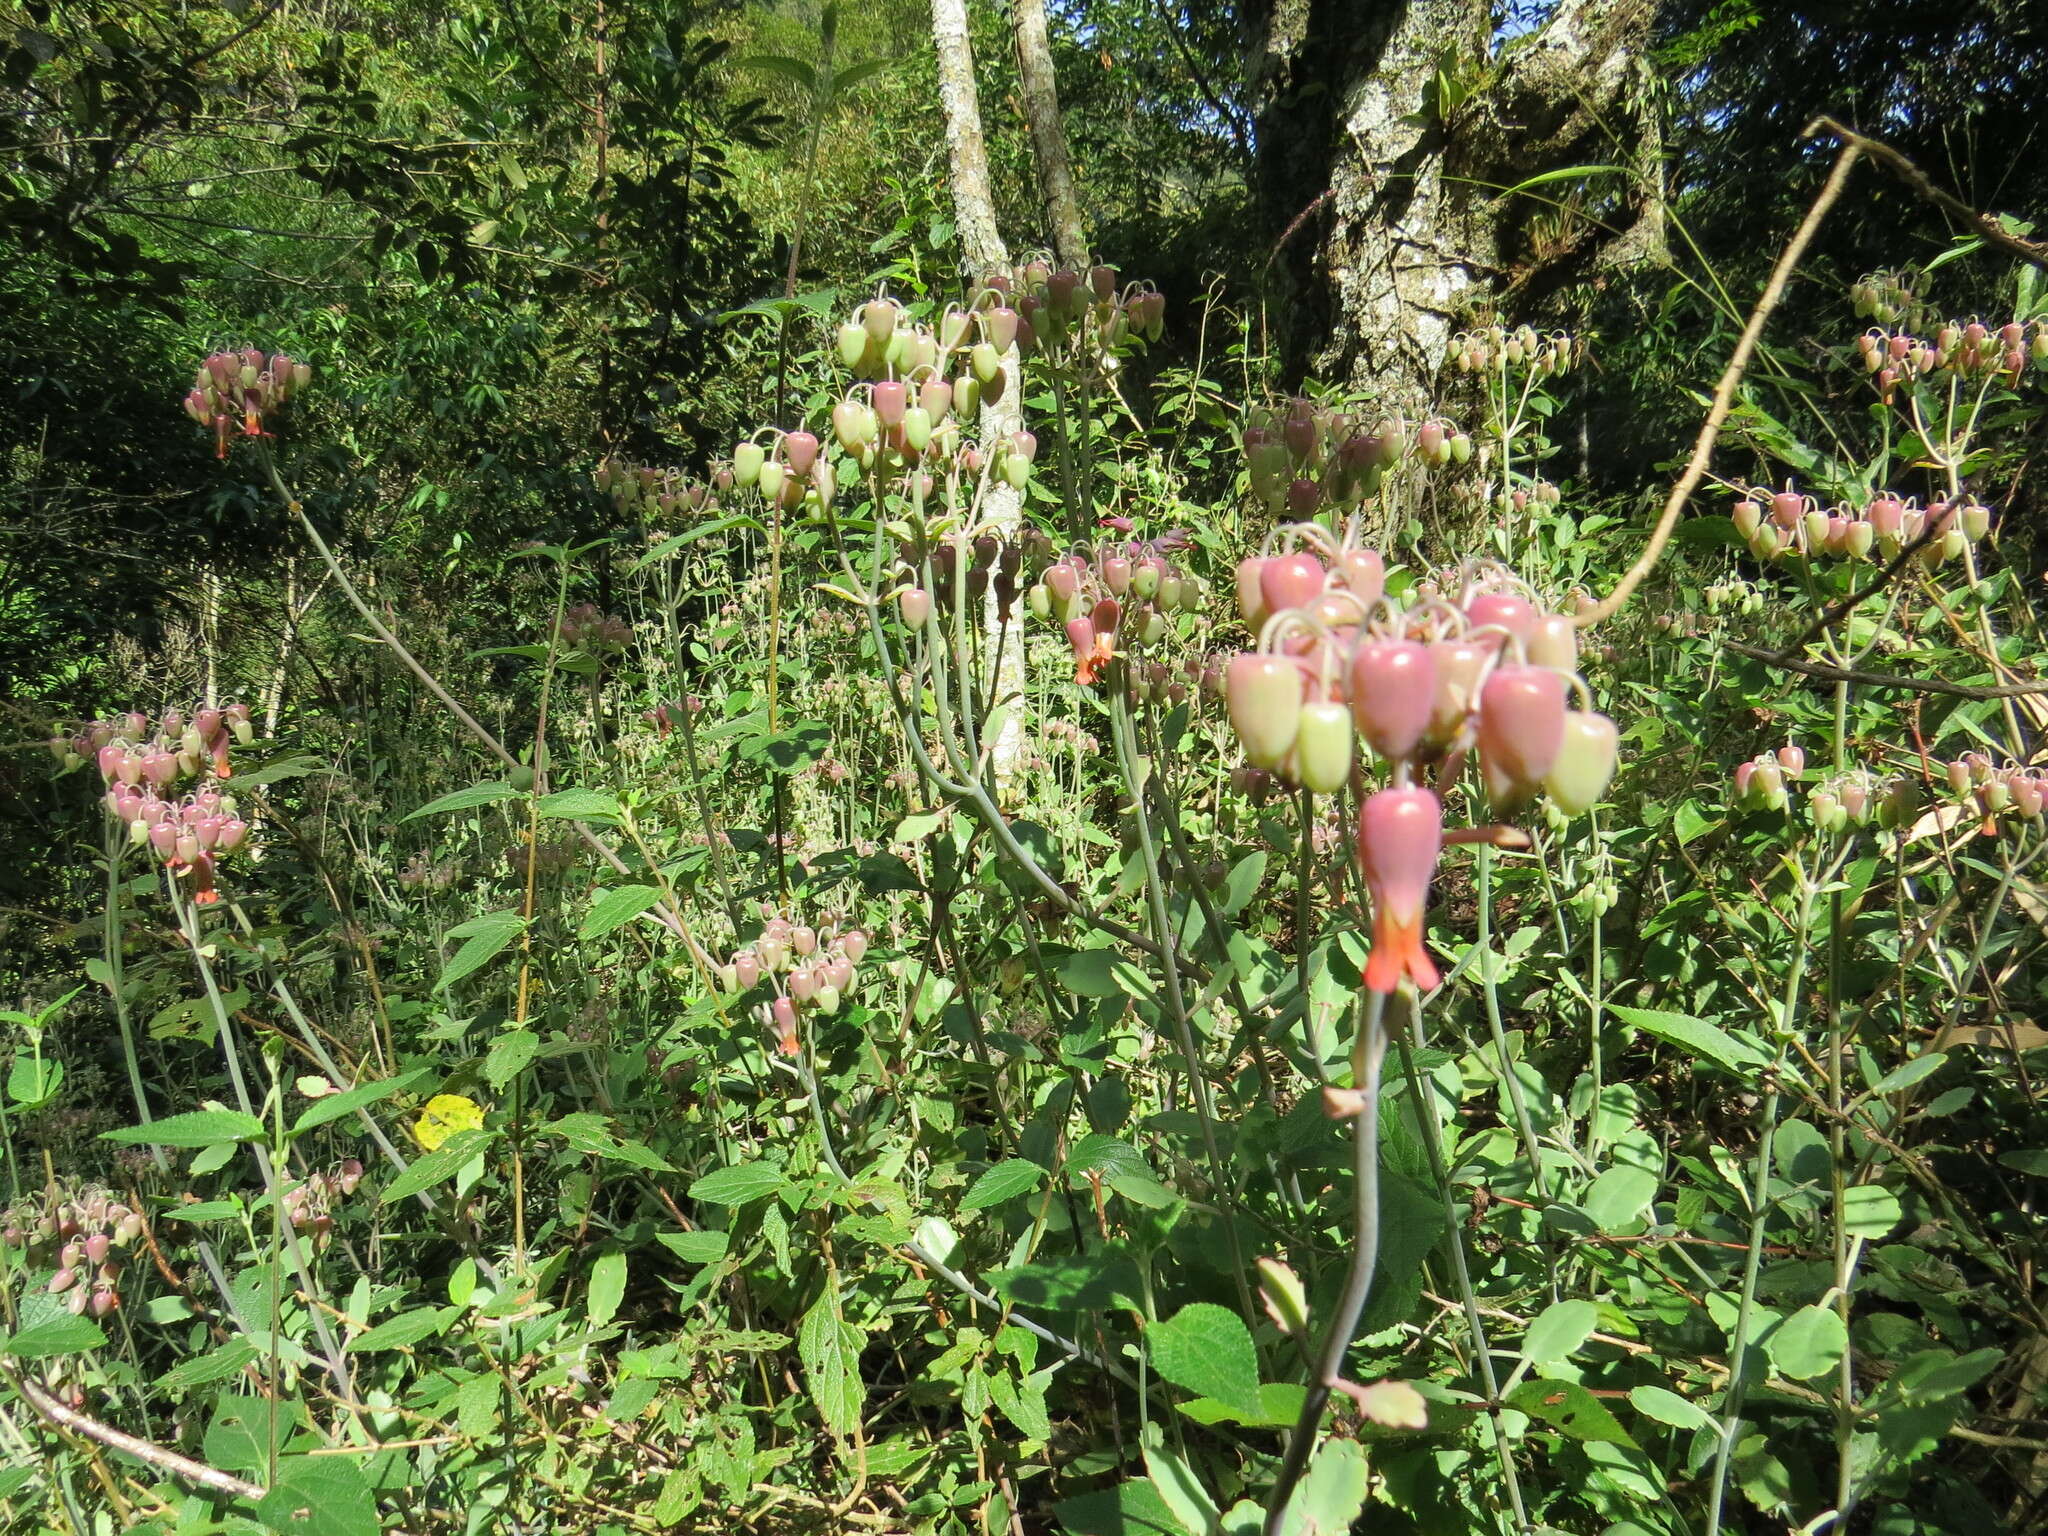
(1264,695)
(1585,762)
(1322,748)
(1555,643)
(1458,666)
(747,462)
(1516,615)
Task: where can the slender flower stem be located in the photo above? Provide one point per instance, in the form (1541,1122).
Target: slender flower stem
(1369,1052)
(1176,1005)
(1760,1197)
(1490,986)
(112,950)
(1468,1293)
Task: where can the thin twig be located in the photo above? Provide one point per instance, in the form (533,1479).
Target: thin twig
(1986,227)
(1886,679)
(1724,392)
(170,1461)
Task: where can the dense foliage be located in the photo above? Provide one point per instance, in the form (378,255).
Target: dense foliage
(619,919)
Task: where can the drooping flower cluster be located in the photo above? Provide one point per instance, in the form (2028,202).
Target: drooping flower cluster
(958,564)
(804,966)
(142,766)
(1496,346)
(652,495)
(84,1240)
(1119,594)
(786,470)
(1087,315)
(1966,350)
(1339,664)
(233,392)
(1784,524)
(1301,456)
(589,629)
(1886,298)
(1999,791)
(1836,801)
(309,1204)
(1736,595)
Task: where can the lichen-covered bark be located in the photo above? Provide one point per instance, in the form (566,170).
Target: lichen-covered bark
(984,254)
(1041,99)
(1386,131)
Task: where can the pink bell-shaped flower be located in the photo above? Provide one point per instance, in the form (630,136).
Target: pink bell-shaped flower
(1291,581)
(1393,695)
(1400,836)
(1521,727)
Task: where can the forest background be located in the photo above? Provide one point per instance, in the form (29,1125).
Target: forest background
(517,241)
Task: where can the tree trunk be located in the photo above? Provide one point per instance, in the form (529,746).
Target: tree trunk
(1384,145)
(974,208)
(1041,95)
(984,255)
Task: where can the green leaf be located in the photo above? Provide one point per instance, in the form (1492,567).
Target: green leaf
(483,938)
(510,1054)
(1557,1332)
(205,1369)
(1617,1198)
(696,1247)
(1207,1350)
(1005,1181)
(295,767)
(607,1288)
(404,1330)
(741,1184)
(443,1163)
(194,1128)
(32,1082)
(1703,1040)
(1870,1210)
(1331,1494)
(60,1335)
(2032,1161)
(349,1100)
(592,1133)
(1089,973)
(1809,1343)
(1570,1408)
(1182,1490)
(1667,1407)
(319,1496)
(1918,1070)
(579,805)
(465,799)
(615,908)
(829,1347)
(1279,1406)
(1078,1282)
(1132,1508)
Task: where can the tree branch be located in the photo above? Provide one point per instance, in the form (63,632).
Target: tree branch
(1988,228)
